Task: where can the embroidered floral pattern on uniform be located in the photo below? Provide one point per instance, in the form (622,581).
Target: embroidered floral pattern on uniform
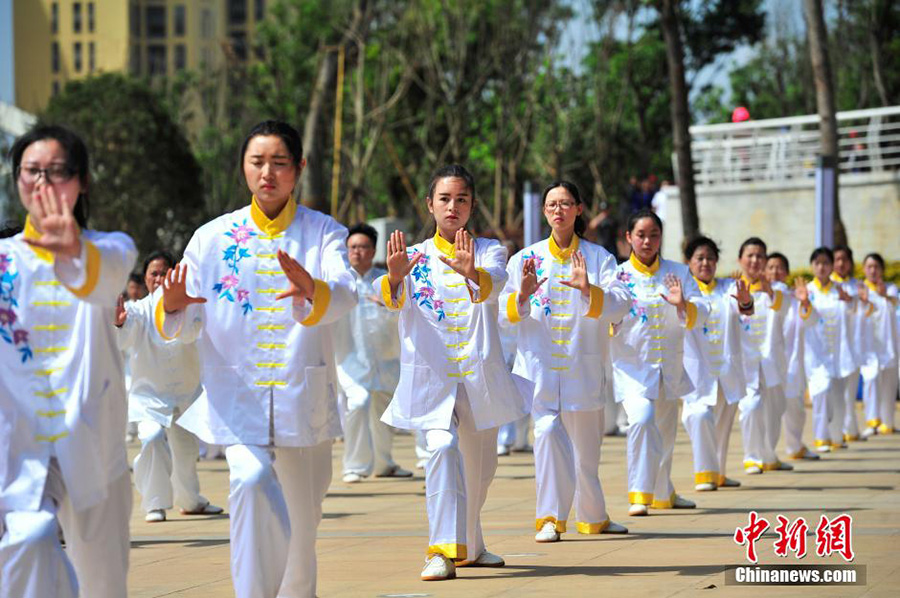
(228,285)
(538,299)
(637,310)
(8,317)
(424,294)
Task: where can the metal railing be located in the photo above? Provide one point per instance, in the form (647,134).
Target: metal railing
(785,149)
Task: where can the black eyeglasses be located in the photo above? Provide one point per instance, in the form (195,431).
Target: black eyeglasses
(53,175)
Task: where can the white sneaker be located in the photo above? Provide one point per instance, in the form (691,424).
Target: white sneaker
(502,450)
(437,568)
(485,559)
(681,502)
(705,487)
(352,478)
(615,528)
(155,516)
(823,449)
(548,533)
(637,510)
(869,432)
(753,470)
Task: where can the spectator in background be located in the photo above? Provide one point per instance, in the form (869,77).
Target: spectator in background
(642,197)
(603,228)
(135,288)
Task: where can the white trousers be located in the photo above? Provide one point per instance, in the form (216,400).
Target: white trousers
(614,418)
(880,399)
(825,405)
(792,421)
(368,440)
(850,421)
(275,503)
(774,406)
(567,462)
(652,425)
(709,428)
(514,434)
(165,471)
(457,477)
(753,418)
(95,561)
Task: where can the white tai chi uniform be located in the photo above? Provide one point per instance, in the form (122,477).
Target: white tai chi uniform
(165,380)
(563,350)
(714,362)
(828,363)
(367,352)
(880,369)
(453,385)
(62,452)
(845,414)
(513,435)
(269,374)
(794,387)
(649,374)
(762,344)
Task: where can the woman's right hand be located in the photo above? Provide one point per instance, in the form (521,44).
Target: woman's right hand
(530,282)
(175,296)
(399,264)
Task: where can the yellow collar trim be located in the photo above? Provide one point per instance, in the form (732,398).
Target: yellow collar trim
(872,286)
(444,246)
(838,278)
(753,287)
(640,267)
(563,254)
(819,286)
(706,289)
(278,224)
(32,233)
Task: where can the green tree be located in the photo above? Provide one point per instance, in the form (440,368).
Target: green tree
(144,178)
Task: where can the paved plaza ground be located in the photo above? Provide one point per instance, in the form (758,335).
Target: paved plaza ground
(373,536)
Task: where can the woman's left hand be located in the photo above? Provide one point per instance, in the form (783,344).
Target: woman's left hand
(60,233)
(463,261)
(301,283)
(675,296)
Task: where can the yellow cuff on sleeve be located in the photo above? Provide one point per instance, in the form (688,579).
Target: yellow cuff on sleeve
(320,300)
(159,318)
(805,312)
(776,303)
(93,272)
(512,309)
(386,294)
(871,309)
(691,316)
(596,306)
(485,286)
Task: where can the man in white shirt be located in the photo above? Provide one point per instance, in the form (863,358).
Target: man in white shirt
(367,349)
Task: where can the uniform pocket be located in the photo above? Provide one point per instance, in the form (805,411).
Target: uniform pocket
(318,395)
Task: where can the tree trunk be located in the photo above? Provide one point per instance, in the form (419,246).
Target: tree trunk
(828,131)
(681,136)
(313,182)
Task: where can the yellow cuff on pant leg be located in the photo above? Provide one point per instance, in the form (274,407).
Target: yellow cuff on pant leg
(707,477)
(451,551)
(750,463)
(640,498)
(884,429)
(817,443)
(591,528)
(663,504)
(560,524)
(873,423)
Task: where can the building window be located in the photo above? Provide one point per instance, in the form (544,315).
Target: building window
(156,21)
(76,17)
(180,57)
(156,59)
(206,24)
(239,44)
(54,18)
(136,60)
(54,57)
(237,12)
(76,56)
(259,10)
(179,20)
(55,88)
(135,20)
(206,58)
(91,23)
(92,57)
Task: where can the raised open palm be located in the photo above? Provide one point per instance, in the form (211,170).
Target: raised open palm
(60,233)
(175,295)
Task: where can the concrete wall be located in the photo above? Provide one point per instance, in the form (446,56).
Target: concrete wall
(784,217)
